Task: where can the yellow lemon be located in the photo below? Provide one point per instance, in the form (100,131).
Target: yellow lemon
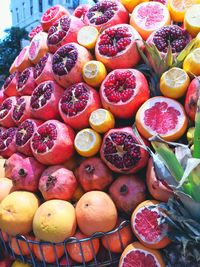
(87,36)
(191,63)
(131,4)
(101,120)
(20,264)
(192,20)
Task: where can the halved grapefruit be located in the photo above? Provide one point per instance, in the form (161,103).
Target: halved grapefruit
(147,226)
(22,61)
(148,17)
(161,116)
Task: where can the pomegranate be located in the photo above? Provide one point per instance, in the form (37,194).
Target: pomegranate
(7,262)
(26,83)
(106,13)
(44,100)
(57,182)
(34,31)
(63,31)
(93,174)
(77,103)
(68,62)
(11,162)
(22,61)
(127,191)
(21,110)
(10,85)
(7,142)
(23,136)
(116,47)
(124,90)
(2,129)
(6,110)
(43,69)
(53,142)
(2,95)
(80,11)
(120,152)
(52,15)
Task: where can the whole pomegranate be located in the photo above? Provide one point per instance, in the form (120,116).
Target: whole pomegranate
(26,82)
(127,191)
(11,162)
(21,110)
(93,174)
(57,182)
(8,142)
(43,69)
(10,84)
(6,111)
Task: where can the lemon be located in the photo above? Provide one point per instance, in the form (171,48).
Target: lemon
(191,63)
(20,264)
(101,120)
(87,36)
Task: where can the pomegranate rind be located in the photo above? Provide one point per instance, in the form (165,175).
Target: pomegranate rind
(35,31)
(22,61)
(7,121)
(26,114)
(47,73)
(11,89)
(11,148)
(29,85)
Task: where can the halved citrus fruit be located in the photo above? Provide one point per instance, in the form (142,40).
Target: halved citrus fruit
(174,83)
(136,255)
(161,116)
(191,63)
(94,72)
(192,20)
(147,226)
(131,4)
(87,142)
(87,36)
(149,17)
(101,120)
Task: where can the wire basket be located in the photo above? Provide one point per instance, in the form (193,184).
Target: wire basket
(103,258)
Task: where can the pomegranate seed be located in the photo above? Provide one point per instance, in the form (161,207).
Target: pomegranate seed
(41,95)
(19,108)
(23,77)
(59,30)
(7,137)
(40,66)
(5,107)
(9,80)
(24,132)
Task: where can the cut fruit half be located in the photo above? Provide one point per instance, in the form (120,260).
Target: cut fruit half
(161,116)
(191,63)
(22,61)
(87,36)
(192,20)
(131,4)
(102,120)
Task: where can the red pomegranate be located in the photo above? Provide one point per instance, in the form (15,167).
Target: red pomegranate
(21,110)
(2,95)
(93,174)
(44,101)
(106,13)
(80,11)
(127,191)
(68,62)
(116,47)
(51,15)
(22,61)
(35,31)
(43,69)
(7,142)
(53,142)
(11,162)
(6,111)
(10,85)
(120,152)
(77,103)
(26,82)
(57,182)
(63,31)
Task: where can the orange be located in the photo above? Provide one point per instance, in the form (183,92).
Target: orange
(5,187)
(191,64)
(21,246)
(192,20)
(87,36)
(102,120)
(131,4)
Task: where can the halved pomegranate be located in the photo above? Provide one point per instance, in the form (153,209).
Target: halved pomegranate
(2,95)
(44,101)
(43,69)
(7,142)
(53,142)
(80,11)
(51,15)
(77,103)
(2,129)
(6,110)
(121,153)
(10,84)
(123,91)
(63,31)
(68,62)
(22,61)
(21,110)
(26,82)
(35,31)
(106,13)
(23,136)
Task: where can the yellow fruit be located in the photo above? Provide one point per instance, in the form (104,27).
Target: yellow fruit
(5,187)
(191,63)
(20,264)
(2,169)
(17,211)
(198,40)
(174,83)
(131,4)
(94,72)
(87,36)
(192,20)
(87,142)
(101,120)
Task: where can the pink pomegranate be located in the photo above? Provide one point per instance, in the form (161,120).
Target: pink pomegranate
(120,152)
(44,101)
(10,85)
(57,182)
(116,47)
(43,69)
(21,110)
(53,142)
(26,82)
(80,11)
(93,174)
(23,136)
(22,61)
(63,31)
(68,62)
(77,103)
(106,13)
(51,15)
(123,91)
(127,191)
(2,129)
(2,95)
(6,111)
(35,31)
(11,162)
(7,142)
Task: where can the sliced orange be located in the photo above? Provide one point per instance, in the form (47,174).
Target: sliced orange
(192,20)
(191,63)
(131,4)
(161,116)
(101,120)
(87,36)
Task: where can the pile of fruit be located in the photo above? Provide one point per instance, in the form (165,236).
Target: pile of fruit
(91,173)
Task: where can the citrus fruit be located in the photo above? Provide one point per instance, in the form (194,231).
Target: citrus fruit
(87,142)
(5,187)
(149,17)
(96,212)
(161,116)
(20,264)
(191,63)
(101,120)
(94,72)
(174,83)
(2,168)
(131,4)
(136,255)
(21,246)
(192,20)
(87,36)
(147,226)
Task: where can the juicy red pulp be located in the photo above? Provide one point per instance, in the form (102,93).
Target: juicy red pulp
(9,79)
(40,66)
(5,107)
(41,95)
(19,109)
(137,258)
(50,13)
(34,31)
(59,30)
(24,132)
(23,78)
(7,137)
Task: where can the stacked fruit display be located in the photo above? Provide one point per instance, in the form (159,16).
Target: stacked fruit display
(84,107)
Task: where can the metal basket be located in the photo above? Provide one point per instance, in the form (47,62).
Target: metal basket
(104,257)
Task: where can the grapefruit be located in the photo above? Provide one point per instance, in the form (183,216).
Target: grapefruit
(5,187)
